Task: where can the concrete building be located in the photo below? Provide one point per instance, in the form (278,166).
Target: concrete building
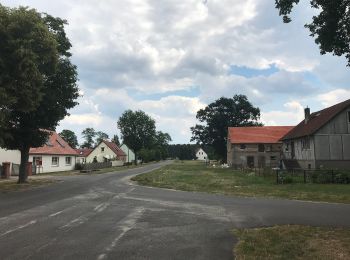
(321,140)
(106,151)
(130,155)
(255,147)
(201,155)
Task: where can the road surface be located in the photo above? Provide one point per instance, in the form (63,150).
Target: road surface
(108,217)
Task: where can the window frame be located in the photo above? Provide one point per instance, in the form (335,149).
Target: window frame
(58,161)
(70,160)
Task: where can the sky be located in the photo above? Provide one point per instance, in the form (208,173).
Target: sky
(171,58)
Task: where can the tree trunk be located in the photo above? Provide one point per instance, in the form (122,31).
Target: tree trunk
(135,158)
(22,176)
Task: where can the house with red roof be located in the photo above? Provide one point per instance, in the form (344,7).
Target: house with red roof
(56,155)
(106,151)
(321,140)
(82,154)
(255,146)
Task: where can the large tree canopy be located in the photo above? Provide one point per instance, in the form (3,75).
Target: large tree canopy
(331,27)
(138,130)
(37,78)
(88,135)
(70,137)
(218,116)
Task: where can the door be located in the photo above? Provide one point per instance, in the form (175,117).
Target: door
(292,149)
(250,161)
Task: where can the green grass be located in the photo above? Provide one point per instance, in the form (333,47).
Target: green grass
(195,176)
(11,185)
(293,242)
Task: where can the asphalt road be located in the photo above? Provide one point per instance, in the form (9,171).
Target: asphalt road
(108,217)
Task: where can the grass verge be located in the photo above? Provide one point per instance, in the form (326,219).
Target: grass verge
(11,185)
(292,242)
(195,176)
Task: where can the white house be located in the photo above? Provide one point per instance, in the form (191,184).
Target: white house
(56,155)
(130,155)
(82,154)
(106,151)
(201,155)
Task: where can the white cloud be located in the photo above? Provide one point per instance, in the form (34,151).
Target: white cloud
(129,48)
(292,115)
(333,97)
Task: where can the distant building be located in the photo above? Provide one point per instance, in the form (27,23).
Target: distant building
(106,151)
(255,147)
(130,155)
(82,154)
(201,155)
(321,140)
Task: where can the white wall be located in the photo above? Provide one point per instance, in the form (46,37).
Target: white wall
(100,156)
(47,163)
(13,156)
(201,155)
(130,155)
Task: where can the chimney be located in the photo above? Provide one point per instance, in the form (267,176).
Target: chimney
(307,115)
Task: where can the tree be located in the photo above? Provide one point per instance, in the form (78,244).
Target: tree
(101,136)
(330,26)
(36,75)
(115,139)
(70,137)
(89,135)
(137,129)
(218,116)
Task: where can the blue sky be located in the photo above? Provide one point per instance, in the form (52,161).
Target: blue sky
(172,58)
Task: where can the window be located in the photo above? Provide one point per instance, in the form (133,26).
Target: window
(305,143)
(102,149)
(68,160)
(261,148)
(55,161)
(37,161)
(349,117)
(273,158)
(243,146)
(287,147)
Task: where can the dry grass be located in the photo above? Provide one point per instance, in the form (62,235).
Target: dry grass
(11,185)
(293,242)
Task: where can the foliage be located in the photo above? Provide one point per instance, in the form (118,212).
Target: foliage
(37,78)
(115,139)
(182,151)
(330,26)
(218,116)
(138,130)
(100,136)
(88,135)
(70,137)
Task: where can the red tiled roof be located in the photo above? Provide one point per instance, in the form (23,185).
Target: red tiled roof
(115,148)
(316,121)
(84,152)
(55,145)
(257,134)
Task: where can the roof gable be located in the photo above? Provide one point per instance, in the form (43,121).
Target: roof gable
(257,134)
(55,145)
(114,147)
(317,120)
